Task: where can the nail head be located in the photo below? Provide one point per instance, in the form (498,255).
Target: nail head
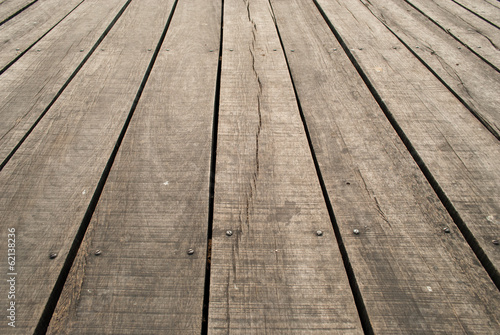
(98,252)
(446,230)
(495,242)
(356,231)
(190,252)
(53,255)
(229,232)
(319,233)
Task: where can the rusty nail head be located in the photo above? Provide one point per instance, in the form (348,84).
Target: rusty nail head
(319,233)
(190,252)
(495,242)
(53,255)
(446,230)
(356,231)
(98,252)
(229,232)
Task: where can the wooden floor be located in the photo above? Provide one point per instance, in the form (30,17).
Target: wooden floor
(250,166)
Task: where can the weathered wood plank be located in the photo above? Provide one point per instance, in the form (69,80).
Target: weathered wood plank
(273,275)
(20,33)
(154,206)
(9,8)
(479,36)
(413,278)
(459,153)
(48,184)
(482,9)
(29,87)
(470,78)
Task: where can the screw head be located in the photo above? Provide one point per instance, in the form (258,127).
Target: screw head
(229,232)
(190,251)
(356,231)
(495,242)
(446,230)
(97,252)
(53,255)
(319,233)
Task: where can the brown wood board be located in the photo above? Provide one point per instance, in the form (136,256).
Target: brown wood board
(9,8)
(413,277)
(30,86)
(459,153)
(48,184)
(479,36)
(273,275)
(468,76)
(22,32)
(154,206)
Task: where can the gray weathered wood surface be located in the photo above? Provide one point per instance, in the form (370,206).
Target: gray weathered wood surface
(482,8)
(29,87)
(462,156)
(403,261)
(274,275)
(9,8)
(476,34)
(47,186)
(21,32)
(331,116)
(154,206)
(467,75)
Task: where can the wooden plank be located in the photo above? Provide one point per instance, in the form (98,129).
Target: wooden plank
(154,206)
(22,32)
(10,8)
(413,278)
(274,275)
(477,35)
(494,3)
(469,77)
(48,184)
(458,152)
(29,87)
(482,9)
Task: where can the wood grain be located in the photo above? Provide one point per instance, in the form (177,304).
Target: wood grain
(478,35)
(29,87)
(467,75)
(483,9)
(154,206)
(413,278)
(9,8)
(273,275)
(48,184)
(21,32)
(460,154)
